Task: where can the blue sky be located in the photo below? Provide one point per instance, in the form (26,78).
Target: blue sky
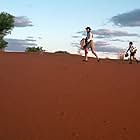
(56,21)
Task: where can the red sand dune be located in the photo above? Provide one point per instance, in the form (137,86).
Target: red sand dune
(59,97)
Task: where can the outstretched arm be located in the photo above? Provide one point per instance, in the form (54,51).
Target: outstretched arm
(128,49)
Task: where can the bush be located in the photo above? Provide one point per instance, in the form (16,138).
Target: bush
(61,52)
(34,49)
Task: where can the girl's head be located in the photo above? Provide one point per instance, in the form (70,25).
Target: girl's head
(88,29)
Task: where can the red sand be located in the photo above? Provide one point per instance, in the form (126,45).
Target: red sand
(59,97)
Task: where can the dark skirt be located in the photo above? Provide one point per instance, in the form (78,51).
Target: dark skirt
(132,53)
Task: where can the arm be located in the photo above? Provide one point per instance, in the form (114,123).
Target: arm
(128,49)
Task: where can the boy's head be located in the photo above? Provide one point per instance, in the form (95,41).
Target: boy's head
(130,43)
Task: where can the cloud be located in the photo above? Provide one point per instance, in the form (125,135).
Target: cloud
(109,49)
(101,46)
(33,40)
(30,37)
(19,44)
(100,37)
(75,45)
(101,43)
(23,21)
(129,19)
(81,33)
(118,40)
(107,33)
(75,36)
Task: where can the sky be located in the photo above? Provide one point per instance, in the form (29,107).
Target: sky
(60,25)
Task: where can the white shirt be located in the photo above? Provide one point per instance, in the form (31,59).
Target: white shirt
(89,36)
(132,49)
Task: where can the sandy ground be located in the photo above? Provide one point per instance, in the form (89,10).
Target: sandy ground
(59,97)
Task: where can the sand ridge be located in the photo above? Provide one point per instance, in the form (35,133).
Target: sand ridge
(58,97)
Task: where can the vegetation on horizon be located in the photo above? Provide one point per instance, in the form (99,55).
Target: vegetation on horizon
(62,52)
(34,49)
(6,26)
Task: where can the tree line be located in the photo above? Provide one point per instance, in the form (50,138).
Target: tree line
(7,24)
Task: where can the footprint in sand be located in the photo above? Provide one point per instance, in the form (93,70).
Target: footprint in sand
(124,134)
(108,124)
(75,135)
(62,114)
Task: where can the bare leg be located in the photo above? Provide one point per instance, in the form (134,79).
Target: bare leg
(94,53)
(92,49)
(130,60)
(134,58)
(86,52)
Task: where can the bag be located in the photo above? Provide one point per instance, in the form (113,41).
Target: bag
(83,43)
(126,55)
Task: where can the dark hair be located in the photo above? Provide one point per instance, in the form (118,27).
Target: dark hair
(130,43)
(88,28)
